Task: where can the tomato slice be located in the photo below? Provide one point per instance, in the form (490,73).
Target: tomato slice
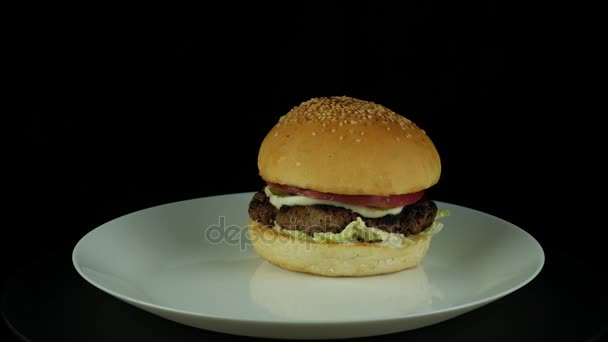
(390,201)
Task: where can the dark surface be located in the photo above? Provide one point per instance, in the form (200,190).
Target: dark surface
(120,112)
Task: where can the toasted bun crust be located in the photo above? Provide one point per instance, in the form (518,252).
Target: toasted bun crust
(335,260)
(348,146)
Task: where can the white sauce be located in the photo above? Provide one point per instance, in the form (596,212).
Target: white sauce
(279,201)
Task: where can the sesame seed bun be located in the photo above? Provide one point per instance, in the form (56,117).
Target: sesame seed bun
(348,146)
(335,260)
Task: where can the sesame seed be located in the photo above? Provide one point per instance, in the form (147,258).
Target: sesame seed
(341,137)
(333,130)
(276,134)
(298,164)
(396,138)
(358,140)
(314,133)
(388,128)
(341,109)
(362,133)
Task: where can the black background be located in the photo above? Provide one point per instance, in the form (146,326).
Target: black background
(121,113)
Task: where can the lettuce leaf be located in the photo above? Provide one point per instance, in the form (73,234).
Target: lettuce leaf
(442,213)
(293,233)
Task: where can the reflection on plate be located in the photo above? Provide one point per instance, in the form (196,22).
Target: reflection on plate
(190,262)
(300,296)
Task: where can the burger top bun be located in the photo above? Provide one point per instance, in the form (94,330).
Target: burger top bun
(348,146)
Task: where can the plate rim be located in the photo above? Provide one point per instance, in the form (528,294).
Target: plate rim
(161,308)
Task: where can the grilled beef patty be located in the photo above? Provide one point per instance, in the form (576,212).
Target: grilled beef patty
(413,219)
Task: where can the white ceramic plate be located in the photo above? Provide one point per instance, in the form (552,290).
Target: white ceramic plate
(190,262)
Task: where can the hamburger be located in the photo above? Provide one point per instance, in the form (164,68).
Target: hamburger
(344,194)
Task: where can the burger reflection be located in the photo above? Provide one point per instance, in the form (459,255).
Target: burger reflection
(301,296)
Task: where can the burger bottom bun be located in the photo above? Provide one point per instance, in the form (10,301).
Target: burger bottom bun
(335,260)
